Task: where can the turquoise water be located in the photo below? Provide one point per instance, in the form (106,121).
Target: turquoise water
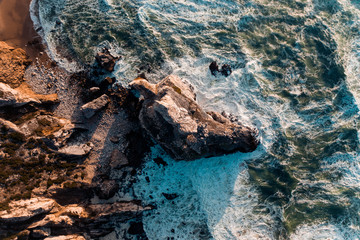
(295,78)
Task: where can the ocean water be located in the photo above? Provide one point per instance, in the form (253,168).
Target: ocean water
(296,71)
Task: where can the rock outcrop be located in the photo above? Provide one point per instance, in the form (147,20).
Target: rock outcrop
(22,95)
(12,97)
(106,60)
(225,69)
(13,63)
(23,210)
(172,117)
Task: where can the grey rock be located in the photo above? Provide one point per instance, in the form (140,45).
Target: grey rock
(107,189)
(75,151)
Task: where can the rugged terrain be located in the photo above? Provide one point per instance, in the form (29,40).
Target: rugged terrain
(68,157)
(70,152)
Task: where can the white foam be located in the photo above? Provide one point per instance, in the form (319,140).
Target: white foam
(213,193)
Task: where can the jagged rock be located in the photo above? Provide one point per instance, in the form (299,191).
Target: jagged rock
(92,107)
(10,126)
(106,60)
(225,69)
(68,237)
(12,97)
(53,220)
(23,95)
(214,68)
(76,211)
(132,207)
(43,125)
(172,117)
(13,63)
(24,210)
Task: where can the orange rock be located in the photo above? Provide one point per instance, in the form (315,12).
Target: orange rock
(13,63)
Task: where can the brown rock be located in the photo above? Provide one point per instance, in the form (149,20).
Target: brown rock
(92,107)
(23,210)
(106,60)
(118,159)
(172,117)
(13,63)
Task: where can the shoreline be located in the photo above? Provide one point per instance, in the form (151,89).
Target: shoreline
(93,150)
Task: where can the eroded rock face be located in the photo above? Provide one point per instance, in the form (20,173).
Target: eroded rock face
(13,63)
(12,97)
(23,210)
(23,95)
(172,117)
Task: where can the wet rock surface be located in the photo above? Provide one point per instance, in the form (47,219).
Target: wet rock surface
(225,69)
(172,117)
(106,60)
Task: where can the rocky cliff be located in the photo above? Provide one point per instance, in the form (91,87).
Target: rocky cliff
(172,117)
(66,171)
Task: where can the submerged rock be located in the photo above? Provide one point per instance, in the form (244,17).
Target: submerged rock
(172,117)
(106,60)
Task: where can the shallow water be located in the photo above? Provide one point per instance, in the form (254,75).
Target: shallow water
(295,78)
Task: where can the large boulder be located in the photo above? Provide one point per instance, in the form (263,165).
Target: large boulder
(89,109)
(172,117)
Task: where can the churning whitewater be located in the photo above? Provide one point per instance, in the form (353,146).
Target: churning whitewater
(296,69)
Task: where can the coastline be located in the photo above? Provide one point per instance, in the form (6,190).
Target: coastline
(95,159)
